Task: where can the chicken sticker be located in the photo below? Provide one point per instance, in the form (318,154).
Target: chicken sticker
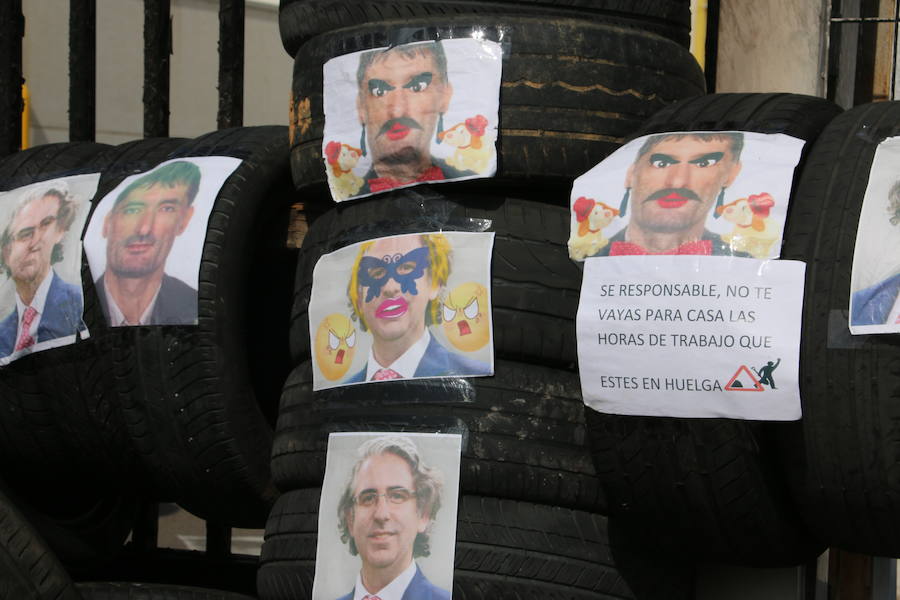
(473,152)
(752,231)
(465,319)
(335,346)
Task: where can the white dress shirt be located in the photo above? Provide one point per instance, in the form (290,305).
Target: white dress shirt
(392,591)
(117,318)
(406,364)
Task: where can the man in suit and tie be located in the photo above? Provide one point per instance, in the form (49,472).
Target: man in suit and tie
(385,515)
(394,287)
(140,229)
(47,308)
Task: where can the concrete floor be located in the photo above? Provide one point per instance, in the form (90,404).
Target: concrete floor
(181,530)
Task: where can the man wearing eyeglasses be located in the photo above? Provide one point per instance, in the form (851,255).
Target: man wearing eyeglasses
(47,307)
(385,516)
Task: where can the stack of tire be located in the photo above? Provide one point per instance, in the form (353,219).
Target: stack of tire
(577,78)
(715,489)
(842,459)
(166,413)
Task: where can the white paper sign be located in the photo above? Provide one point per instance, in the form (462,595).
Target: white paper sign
(685,336)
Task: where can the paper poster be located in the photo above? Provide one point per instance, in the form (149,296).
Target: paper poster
(722,193)
(41,299)
(875,279)
(387,516)
(403,307)
(415,113)
(687,336)
(145,240)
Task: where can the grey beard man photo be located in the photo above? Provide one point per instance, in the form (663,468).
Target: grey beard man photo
(385,516)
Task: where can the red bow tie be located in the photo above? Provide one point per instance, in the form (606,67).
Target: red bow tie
(628,248)
(380,184)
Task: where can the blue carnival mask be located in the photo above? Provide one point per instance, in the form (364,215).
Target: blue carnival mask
(373,272)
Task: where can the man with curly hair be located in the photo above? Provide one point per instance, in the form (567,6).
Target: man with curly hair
(385,516)
(394,290)
(878,304)
(47,308)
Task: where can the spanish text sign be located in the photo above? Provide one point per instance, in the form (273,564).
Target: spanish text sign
(683,336)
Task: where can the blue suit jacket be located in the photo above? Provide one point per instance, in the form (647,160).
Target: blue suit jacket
(872,305)
(438,362)
(62,316)
(418,589)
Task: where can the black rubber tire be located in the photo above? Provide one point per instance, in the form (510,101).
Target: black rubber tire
(534,289)
(46,162)
(523,430)
(841,458)
(28,569)
(504,549)
(571,90)
(709,487)
(61,425)
(300,20)
(151,591)
(200,401)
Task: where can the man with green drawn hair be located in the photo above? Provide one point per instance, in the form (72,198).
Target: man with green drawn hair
(140,229)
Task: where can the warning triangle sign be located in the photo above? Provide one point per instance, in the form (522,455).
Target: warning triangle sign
(743,381)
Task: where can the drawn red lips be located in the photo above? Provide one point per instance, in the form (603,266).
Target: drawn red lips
(397,132)
(464,328)
(339,359)
(392,308)
(138,248)
(672,200)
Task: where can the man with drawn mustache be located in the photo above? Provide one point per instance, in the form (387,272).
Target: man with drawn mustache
(394,291)
(140,229)
(402,97)
(675,180)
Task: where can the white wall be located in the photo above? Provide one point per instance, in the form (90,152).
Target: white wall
(771,46)
(193,75)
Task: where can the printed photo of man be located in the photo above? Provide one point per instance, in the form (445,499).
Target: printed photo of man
(403,95)
(394,289)
(46,306)
(385,517)
(420,112)
(139,231)
(674,184)
(879,303)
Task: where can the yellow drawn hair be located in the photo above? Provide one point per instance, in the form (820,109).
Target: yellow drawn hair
(439,250)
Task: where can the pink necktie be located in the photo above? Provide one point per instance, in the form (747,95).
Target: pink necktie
(371,598)
(381,375)
(25,339)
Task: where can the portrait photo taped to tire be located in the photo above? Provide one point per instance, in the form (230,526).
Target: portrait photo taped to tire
(415,113)
(401,307)
(875,279)
(718,193)
(42,301)
(387,516)
(145,240)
